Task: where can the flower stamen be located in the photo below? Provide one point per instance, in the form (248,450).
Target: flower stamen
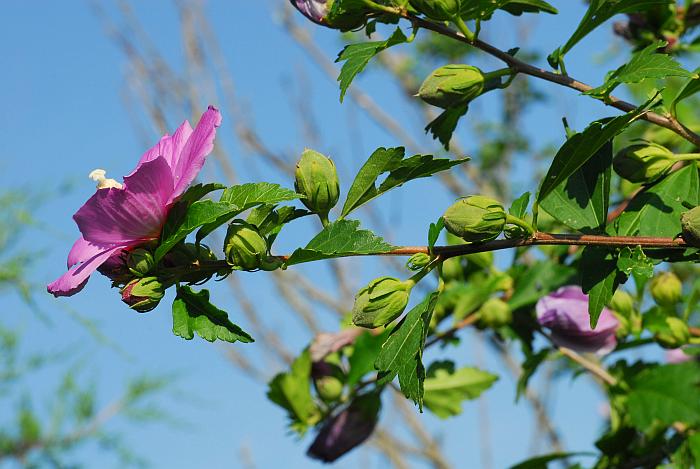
(98,175)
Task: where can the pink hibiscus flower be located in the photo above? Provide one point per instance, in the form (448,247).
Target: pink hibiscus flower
(123,216)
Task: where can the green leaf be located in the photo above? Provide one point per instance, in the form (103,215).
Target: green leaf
(600,278)
(690,88)
(665,394)
(656,210)
(694,445)
(357,56)
(198,214)
(246,196)
(446,388)
(519,206)
(647,63)
(270,220)
(292,392)
(598,12)
(339,239)
(583,146)
(402,353)
(635,262)
(444,125)
(192,312)
(434,232)
(484,9)
(536,281)
(400,169)
(196,192)
(542,462)
(581,201)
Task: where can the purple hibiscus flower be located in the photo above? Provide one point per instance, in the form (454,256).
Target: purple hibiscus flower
(565,314)
(315,10)
(120,217)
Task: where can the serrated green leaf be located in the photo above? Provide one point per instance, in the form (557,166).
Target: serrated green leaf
(402,352)
(196,192)
(665,394)
(340,239)
(246,196)
(690,88)
(292,392)
(581,201)
(656,210)
(269,219)
(484,9)
(357,56)
(635,262)
(198,214)
(192,312)
(400,169)
(598,12)
(600,278)
(583,146)
(446,388)
(444,125)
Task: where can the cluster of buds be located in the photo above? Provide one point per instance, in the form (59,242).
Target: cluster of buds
(452,86)
(381,301)
(316,179)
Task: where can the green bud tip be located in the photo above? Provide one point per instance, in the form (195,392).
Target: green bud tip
(245,248)
(622,302)
(380,302)
(666,289)
(143,294)
(475,219)
(140,262)
(690,223)
(316,179)
(674,335)
(452,85)
(418,261)
(642,163)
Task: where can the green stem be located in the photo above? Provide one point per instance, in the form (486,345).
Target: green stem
(464,29)
(324,219)
(377,7)
(687,157)
(521,223)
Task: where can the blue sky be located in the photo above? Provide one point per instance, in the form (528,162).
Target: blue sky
(63,114)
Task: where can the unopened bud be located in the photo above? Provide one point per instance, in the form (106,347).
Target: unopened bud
(495,313)
(244,246)
(622,302)
(418,261)
(140,262)
(143,294)
(643,162)
(475,219)
(674,334)
(452,85)
(690,222)
(328,380)
(666,289)
(317,181)
(380,302)
(346,17)
(439,10)
(624,327)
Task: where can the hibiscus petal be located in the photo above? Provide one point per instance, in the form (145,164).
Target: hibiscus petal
(169,147)
(83,250)
(130,215)
(198,146)
(75,279)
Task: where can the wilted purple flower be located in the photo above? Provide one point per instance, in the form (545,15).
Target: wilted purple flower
(347,429)
(120,217)
(565,313)
(677,355)
(315,10)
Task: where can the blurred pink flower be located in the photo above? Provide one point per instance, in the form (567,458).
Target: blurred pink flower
(123,216)
(677,355)
(315,10)
(565,314)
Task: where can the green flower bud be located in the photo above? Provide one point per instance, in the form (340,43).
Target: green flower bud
(452,269)
(328,380)
(143,294)
(452,85)
(317,180)
(690,222)
(624,326)
(418,261)
(439,10)
(666,289)
(674,335)
(495,313)
(643,162)
(380,302)
(622,302)
(475,219)
(140,262)
(244,246)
